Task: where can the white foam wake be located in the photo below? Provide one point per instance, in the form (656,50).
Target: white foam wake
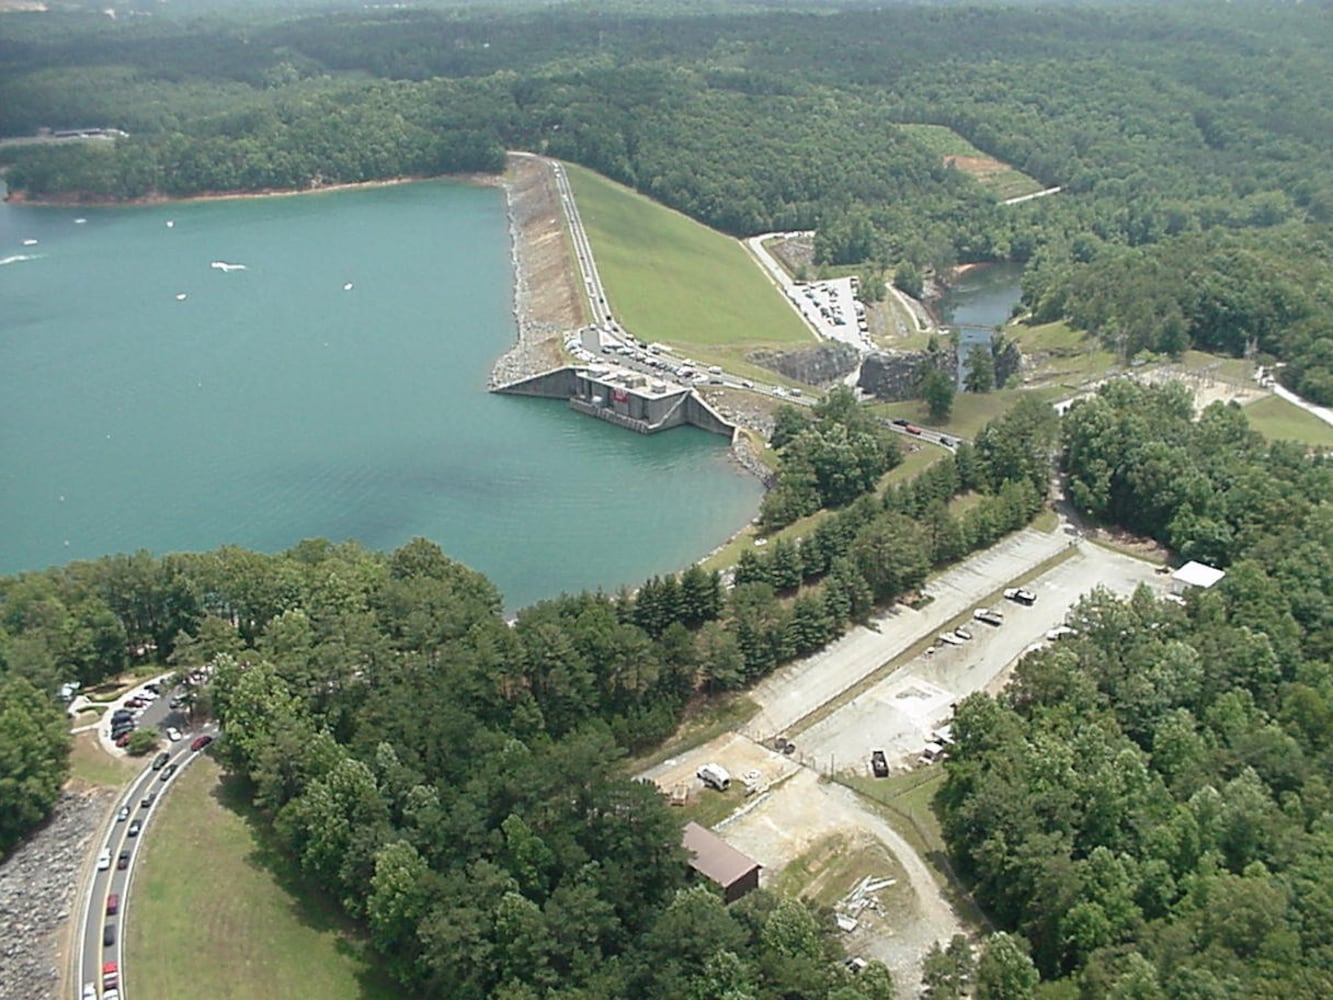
(222,265)
(18,257)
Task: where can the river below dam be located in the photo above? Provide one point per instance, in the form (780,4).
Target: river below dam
(259,371)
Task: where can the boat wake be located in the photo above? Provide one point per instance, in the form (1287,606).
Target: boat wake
(222,265)
(18,257)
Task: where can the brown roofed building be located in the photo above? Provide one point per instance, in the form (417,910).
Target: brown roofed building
(719,862)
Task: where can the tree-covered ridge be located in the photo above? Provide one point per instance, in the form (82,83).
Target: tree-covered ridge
(1266,291)
(1155,120)
(1148,803)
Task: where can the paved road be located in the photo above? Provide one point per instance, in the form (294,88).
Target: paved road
(92,951)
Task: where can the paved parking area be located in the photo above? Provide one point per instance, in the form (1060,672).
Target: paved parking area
(798,689)
(898,714)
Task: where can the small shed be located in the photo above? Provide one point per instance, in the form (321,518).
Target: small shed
(719,862)
(1195,575)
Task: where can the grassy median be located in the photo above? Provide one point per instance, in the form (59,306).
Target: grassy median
(673,280)
(214,910)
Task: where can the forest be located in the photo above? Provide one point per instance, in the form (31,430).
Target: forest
(454,779)
(1144,812)
(1178,126)
(1147,804)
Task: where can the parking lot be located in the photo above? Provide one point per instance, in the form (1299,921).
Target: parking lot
(800,688)
(832,308)
(899,714)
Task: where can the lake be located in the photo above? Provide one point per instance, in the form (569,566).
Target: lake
(258,371)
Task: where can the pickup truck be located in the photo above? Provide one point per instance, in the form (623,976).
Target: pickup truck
(988,616)
(1021,594)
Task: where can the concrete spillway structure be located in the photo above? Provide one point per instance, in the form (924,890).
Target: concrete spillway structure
(623,397)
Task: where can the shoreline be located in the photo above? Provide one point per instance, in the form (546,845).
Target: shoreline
(72,201)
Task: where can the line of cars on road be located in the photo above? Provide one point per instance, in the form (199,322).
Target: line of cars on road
(165,768)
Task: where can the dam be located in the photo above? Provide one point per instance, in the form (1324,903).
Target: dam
(624,397)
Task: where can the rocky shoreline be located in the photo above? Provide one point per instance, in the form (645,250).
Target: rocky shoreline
(39,887)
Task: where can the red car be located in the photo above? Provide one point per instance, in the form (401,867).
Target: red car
(124,739)
(112,904)
(912,429)
(200,742)
(110,976)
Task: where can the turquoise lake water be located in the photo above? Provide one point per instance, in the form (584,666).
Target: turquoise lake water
(272,403)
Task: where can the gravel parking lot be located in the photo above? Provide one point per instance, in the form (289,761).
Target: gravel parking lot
(898,714)
(805,810)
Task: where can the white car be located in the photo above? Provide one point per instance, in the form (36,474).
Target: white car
(173,734)
(104,859)
(89,991)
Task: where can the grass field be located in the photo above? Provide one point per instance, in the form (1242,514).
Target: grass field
(971,410)
(89,763)
(1278,420)
(671,279)
(215,910)
(1004,180)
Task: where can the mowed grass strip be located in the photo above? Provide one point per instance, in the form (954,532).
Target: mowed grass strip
(1278,420)
(213,909)
(673,280)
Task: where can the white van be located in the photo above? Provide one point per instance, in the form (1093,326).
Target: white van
(714,776)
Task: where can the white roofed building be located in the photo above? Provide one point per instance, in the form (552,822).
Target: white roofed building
(1195,575)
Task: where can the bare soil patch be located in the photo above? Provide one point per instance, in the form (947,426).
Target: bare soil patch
(980,167)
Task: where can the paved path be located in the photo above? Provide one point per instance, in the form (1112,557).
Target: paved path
(1028,197)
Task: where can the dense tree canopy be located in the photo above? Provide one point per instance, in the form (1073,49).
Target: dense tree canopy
(1148,802)
(33,757)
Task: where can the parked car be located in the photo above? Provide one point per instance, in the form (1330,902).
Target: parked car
(878,764)
(200,742)
(112,904)
(104,859)
(135,827)
(123,740)
(1021,594)
(993,618)
(122,860)
(962,633)
(160,761)
(121,713)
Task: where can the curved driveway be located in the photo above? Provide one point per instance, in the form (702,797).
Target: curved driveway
(141,799)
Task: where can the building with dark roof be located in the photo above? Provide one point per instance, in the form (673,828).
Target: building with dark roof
(720,863)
